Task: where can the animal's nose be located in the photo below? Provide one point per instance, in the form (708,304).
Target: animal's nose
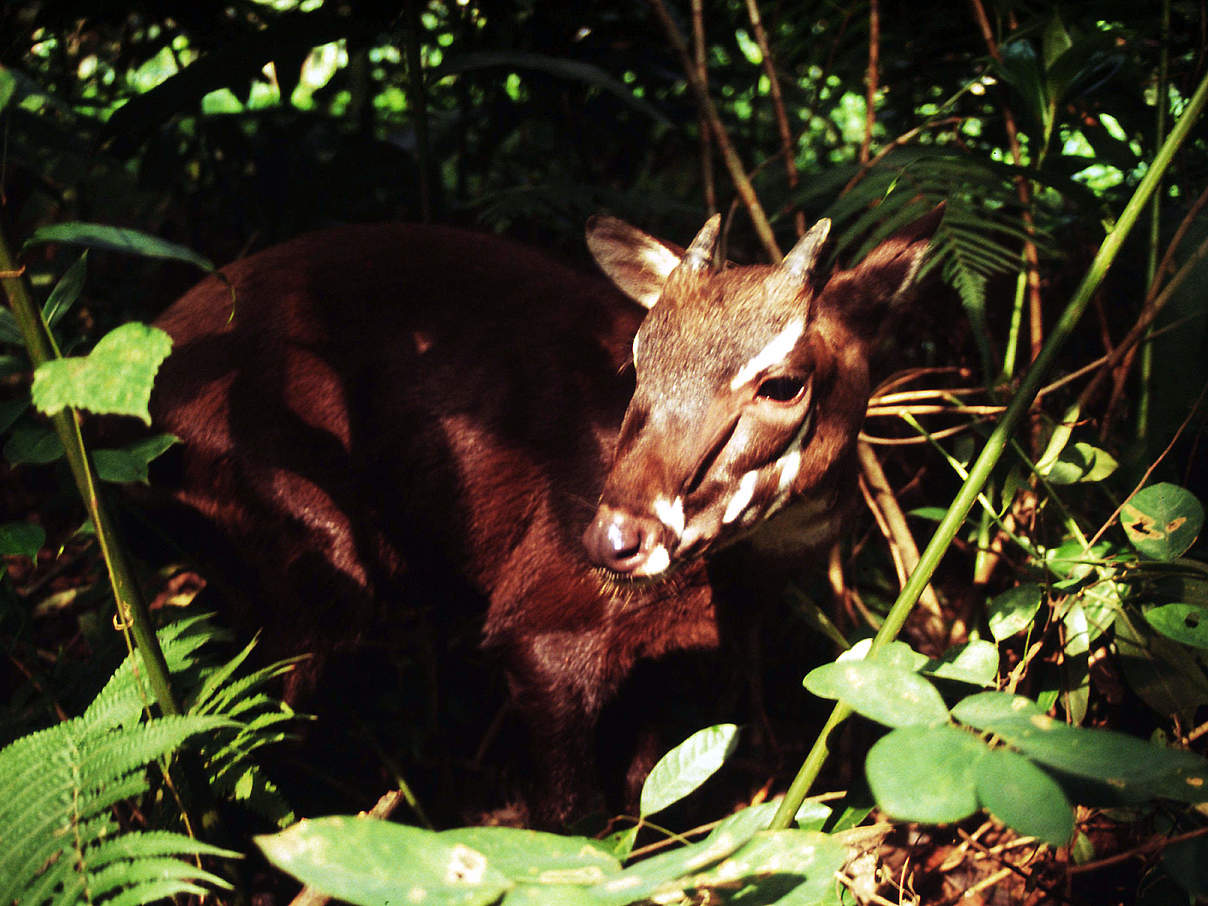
(625,543)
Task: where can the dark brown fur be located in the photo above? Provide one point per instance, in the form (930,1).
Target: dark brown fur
(398,416)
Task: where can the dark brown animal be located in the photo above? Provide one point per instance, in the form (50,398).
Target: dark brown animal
(397,414)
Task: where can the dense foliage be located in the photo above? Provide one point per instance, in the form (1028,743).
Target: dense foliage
(1070,606)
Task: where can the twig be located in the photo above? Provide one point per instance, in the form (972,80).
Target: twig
(870,77)
(782,120)
(734,164)
(888,513)
(706,134)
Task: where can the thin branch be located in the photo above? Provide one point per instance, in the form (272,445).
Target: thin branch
(782,120)
(734,164)
(870,78)
(707,178)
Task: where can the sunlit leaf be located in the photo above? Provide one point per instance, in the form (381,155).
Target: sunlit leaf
(687,766)
(1186,623)
(1013,611)
(115,378)
(926,773)
(888,694)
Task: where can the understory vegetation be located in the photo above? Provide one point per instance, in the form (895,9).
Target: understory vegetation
(996,690)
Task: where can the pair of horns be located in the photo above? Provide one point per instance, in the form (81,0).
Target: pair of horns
(799,262)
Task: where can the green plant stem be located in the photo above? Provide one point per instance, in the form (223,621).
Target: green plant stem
(979,473)
(132,609)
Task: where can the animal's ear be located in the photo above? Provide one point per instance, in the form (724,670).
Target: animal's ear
(862,293)
(640,264)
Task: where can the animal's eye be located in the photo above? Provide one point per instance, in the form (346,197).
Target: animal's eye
(782,389)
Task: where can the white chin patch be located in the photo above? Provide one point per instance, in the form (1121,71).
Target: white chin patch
(655,564)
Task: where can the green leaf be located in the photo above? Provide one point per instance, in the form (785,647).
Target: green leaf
(1080,462)
(8,87)
(117,239)
(687,766)
(115,378)
(375,863)
(1185,623)
(21,539)
(666,873)
(975,662)
(1075,664)
(1056,40)
(984,707)
(803,862)
(534,857)
(130,463)
(1013,611)
(1024,797)
(33,444)
(1126,764)
(1162,520)
(885,693)
(926,773)
(66,291)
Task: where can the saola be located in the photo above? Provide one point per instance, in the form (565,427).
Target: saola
(397,415)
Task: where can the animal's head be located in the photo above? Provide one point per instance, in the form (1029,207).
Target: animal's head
(752,384)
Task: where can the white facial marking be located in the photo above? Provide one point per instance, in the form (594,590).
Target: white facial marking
(738,503)
(789,465)
(774,353)
(670,513)
(657,562)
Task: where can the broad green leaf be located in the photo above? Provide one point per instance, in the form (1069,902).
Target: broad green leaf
(534,857)
(899,654)
(1126,764)
(1013,611)
(620,844)
(747,821)
(1101,600)
(926,773)
(1162,520)
(687,766)
(1186,623)
(22,539)
(887,694)
(375,863)
(1081,462)
(1168,676)
(1075,664)
(806,860)
(130,463)
(1058,440)
(1024,797)
(984,707)
(117,239)
(115,378)
(975,662)
(666,873)
(66,291)
(32,444)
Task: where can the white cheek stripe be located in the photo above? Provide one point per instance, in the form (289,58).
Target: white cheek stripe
(742,497)
(670,513)
(790,465)
(657,562)
(774,353)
